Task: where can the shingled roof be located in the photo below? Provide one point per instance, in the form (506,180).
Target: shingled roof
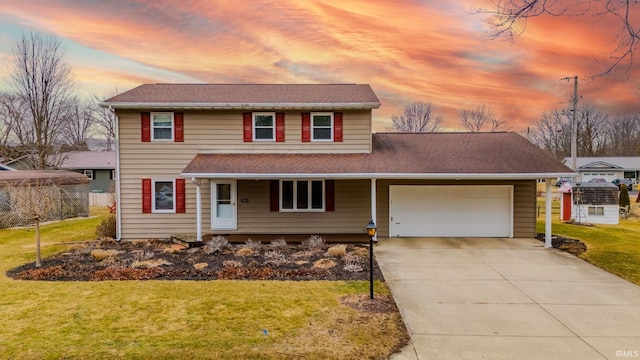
(503,155)
(246,96)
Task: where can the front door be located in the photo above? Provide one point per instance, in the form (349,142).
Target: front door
(223,205)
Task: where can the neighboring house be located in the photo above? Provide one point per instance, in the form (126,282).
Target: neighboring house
(62,194)
(23,162)
(301,159)
(595,203)
(608,168)
(98,166)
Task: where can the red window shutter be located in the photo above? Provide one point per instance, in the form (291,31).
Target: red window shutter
(337,127)
(146,195)
(274,195)
(180,196)
(247,125)
(279,127)
(306,127)
(329,195)
(145,120)
(178,127)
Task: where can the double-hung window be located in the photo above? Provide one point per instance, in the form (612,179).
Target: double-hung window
(162,126)
(322,126)
(88,173)
(264,127)
(163,196)
(302,195)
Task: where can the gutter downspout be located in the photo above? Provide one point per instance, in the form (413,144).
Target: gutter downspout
(198,209)
(374,201)
(116,141)
(547,215)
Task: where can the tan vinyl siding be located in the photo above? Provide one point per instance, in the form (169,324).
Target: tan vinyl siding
(350,216)
(219,131)
(524,202)
(210,131)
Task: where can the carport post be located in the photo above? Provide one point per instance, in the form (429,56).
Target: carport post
(547,215)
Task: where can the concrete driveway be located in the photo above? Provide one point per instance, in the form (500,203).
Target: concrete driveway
(476,298)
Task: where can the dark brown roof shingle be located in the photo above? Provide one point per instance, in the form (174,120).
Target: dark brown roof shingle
(247,94)
(427,154)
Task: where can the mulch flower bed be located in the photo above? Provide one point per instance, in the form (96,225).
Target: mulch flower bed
(573,246)
(217,259)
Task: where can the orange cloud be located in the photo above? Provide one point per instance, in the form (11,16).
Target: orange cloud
(407,50)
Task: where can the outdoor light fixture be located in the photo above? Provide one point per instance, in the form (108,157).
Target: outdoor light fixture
(371,231)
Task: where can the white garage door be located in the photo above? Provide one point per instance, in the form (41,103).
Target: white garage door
(451,210)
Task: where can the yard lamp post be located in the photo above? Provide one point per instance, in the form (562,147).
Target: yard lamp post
(371,231)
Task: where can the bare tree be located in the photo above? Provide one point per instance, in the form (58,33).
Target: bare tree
(105,119)
(475,118)
(509,20)
(77,125)
(552,133)
(32,200)
(417,117)
(623,136)
(592,125)
(42,82)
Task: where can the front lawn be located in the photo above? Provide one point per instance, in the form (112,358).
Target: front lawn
(159,319)
(614,248)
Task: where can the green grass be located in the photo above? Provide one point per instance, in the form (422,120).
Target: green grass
(179,319)
(614,248)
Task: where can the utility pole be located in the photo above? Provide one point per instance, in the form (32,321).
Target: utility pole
(574,124)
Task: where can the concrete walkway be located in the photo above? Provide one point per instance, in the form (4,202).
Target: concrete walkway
(469,298)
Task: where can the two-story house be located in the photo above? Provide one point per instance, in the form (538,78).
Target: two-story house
(302,159)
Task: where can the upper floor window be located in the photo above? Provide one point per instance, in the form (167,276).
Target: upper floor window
(162,126)
(322,126)
(264,127)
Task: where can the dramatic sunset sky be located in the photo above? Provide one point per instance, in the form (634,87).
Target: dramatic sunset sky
(407,50)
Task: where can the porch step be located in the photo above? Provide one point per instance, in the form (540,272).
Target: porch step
(186,240)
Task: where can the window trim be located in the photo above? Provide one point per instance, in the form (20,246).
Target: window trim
(153,197)
(254,128)
(595,210)
(309,195)
(88,173)
(331,127)
(153,127)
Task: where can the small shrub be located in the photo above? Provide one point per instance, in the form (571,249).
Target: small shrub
(313,242)
(253,245)
(216,245)
(353,268)
(337,251)
(278,244)
(624,196)
(148,264)
(101,254)
(144,255)
(232,263)
(200,266)
(353,258)
(275,258)
(360,251)
(76,247)
(324,264)
(244,252)
(107,228)
(304,254)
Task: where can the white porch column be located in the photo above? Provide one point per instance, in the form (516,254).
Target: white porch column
(547,215)
(373,205)
(198,209)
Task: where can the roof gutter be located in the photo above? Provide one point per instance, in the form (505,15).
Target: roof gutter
(241,106)
(355,176)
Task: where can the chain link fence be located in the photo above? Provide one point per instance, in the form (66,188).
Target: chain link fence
(20,205)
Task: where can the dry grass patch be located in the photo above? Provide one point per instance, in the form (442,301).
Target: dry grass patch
(339,250)
(200,266)
(151,263)
(245,251)
(324,264)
